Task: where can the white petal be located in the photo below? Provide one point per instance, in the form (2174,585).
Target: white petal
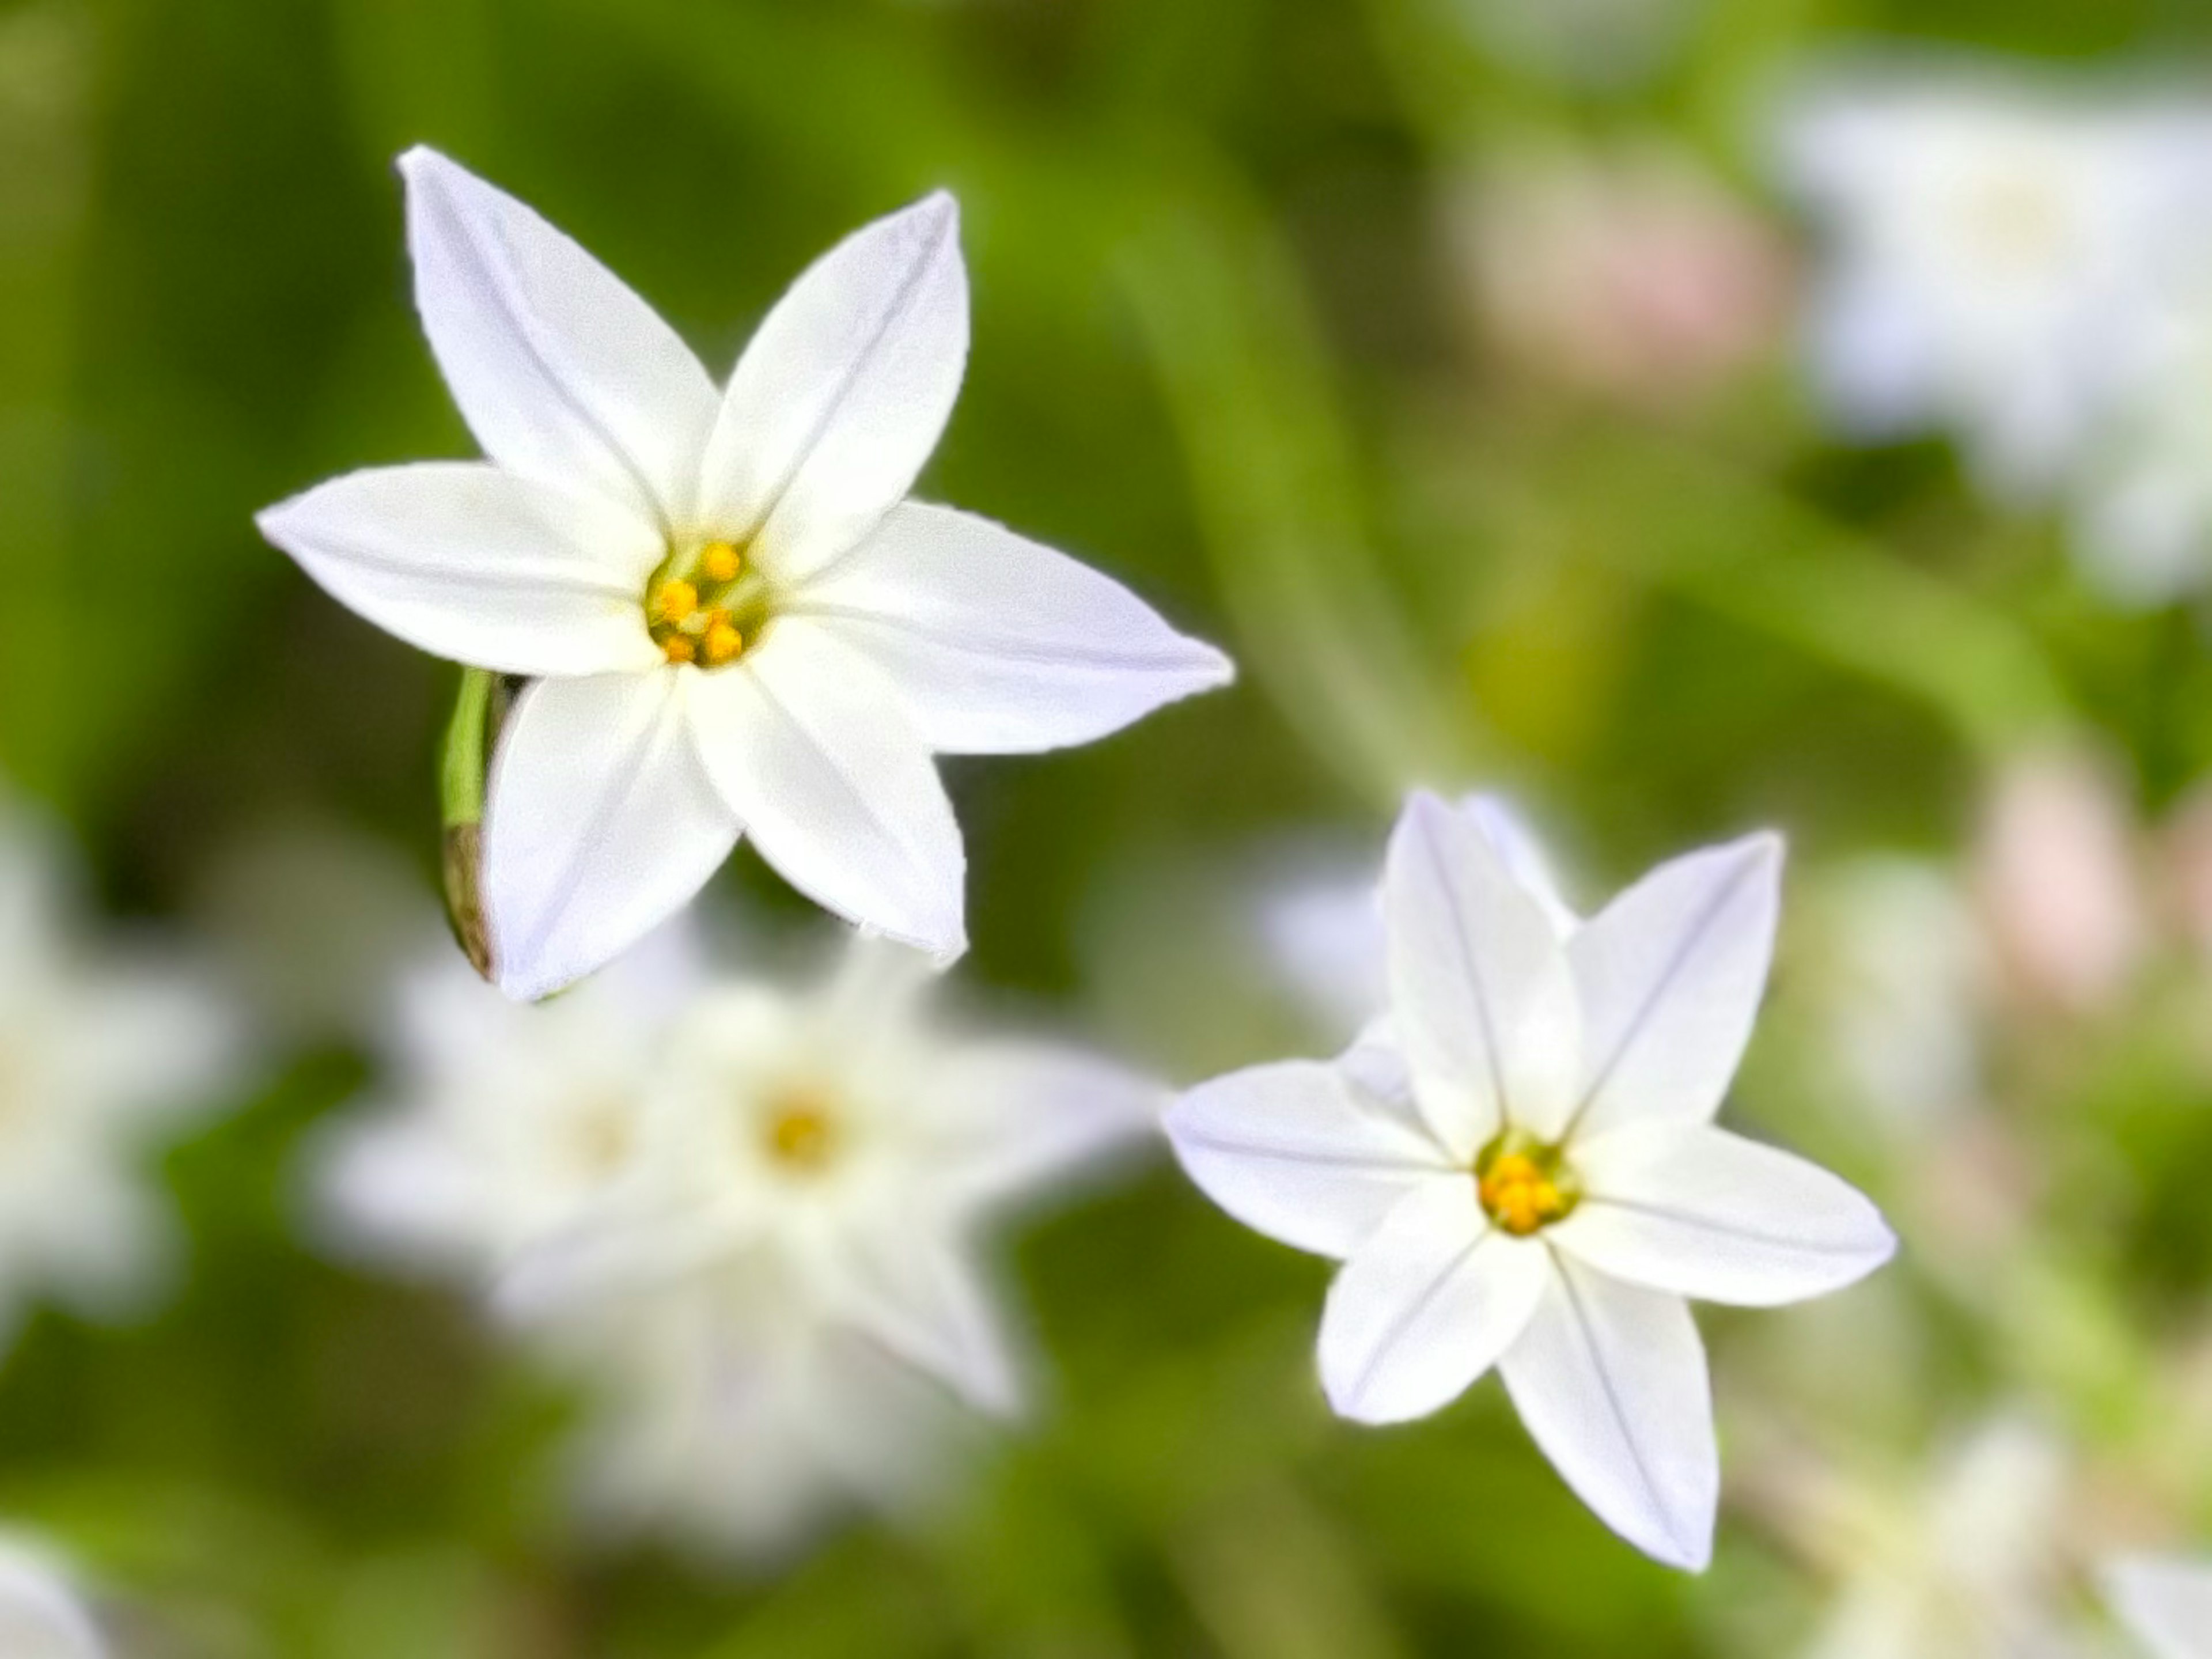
(1480,994)
(1610,1379)
(1302,1152)
(599,824)
(562,373)
(1523,851)
(924,1300)
(2166,1604)
(841,395)
(808,744)
(999,646)
(1425,1306)
(1670,975)
(1009,1119)
(1705,1213)
(464,561)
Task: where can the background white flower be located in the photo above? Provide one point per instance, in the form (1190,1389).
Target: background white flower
(1519,1169)
(742,624)
(754,1223)
(104,1055)
(2001,256)
(2166,1603)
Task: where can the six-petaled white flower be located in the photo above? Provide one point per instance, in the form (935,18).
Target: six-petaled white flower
(734,621)
(2166,1603)
(1519,1167)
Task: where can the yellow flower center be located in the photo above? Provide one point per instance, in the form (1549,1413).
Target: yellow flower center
(1524,1185)
(706,605)
(802,1133)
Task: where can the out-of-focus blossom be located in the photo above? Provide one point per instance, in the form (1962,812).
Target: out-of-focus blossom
(41,1615)
(2059,877)
(1520,1168)
(2002,255)
(1972,1566)
(743,625)
(501,1124)
(1904,980)
(755,1221)
(104,1054)
(1636,276)
(736,1419)
(2166,1603)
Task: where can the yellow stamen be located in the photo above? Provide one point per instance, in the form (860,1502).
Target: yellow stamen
(679,648)
(677,599)
(723,642)
(721,561)
(802,1133)
(1520,1196)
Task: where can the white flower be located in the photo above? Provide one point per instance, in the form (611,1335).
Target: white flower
(756,1221)
(41,1616)
(2001,255)
(736,622)
(2166,1603)
(101,1055)
(1519,1166)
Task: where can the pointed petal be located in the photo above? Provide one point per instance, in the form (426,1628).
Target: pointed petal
(1425,1306)
(1610,1381)
(921,1298)
(599,824)
(999,646)
(1523,851)
(1302,1152)
(1014,1121)
(1670,975)
(1705,1213)
(1480,994)
(466,562)
(564,373)
(2166,1604)
(809,745)
(841,395)
(41,1614)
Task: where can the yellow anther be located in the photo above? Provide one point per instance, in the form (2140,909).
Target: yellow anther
(676,600)
(1520,1197)
(721,561)
(723,642)
(802,1131)
(678,647)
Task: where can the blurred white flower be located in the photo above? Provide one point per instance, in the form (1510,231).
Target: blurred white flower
(756,1221)
(41,1616)
(1635,274)
(1519,1169)
(2002,255)
(2166,1603)
(103,1054)
(743,625)
(1971,1566)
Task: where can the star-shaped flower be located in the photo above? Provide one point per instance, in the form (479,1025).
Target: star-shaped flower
(1519,1165)
(734,620)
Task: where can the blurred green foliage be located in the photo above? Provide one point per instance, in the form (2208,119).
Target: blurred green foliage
(1216,353)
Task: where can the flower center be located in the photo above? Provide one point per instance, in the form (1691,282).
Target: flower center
(1525,1186)
(706,605)
(801,1132)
